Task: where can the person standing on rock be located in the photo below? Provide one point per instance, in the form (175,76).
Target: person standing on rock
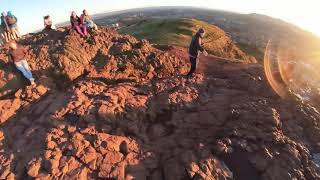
(194,49)
(77,24)
(5,30)
(17,54)
(12,21)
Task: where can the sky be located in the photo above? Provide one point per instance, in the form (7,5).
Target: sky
(302,13)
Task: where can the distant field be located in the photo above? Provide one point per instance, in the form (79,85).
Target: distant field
(171,31)
(250,32)
(179,31)
(255,52)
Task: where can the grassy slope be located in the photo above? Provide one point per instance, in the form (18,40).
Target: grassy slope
(171,31)
(255,52)
(178,32)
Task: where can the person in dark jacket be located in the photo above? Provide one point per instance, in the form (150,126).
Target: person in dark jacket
(77,25)
(194,49)
(12,21)
(5,30)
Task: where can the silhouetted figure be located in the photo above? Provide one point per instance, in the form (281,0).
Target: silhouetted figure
(194,49)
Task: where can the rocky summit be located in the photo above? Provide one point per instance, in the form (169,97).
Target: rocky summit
(113,107)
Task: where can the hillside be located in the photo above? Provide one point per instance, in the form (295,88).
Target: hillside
(179,32)
(250,32)
(114,107)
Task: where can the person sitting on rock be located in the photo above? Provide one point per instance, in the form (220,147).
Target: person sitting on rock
(12,21)
(17,54)
(86,19)
(5,30)
(48,25)
(77,24)
(194,49)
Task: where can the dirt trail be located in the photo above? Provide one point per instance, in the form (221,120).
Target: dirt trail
(112,107)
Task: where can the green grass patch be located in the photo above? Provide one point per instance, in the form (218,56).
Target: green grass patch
(171,31)
(255,52)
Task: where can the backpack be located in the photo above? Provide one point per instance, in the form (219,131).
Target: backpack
(11,20)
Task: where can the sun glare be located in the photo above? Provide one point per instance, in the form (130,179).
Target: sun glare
(290,76)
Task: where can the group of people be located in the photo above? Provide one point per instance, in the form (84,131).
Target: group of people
(9,28)
(82,23)
(79,24)
(17,53)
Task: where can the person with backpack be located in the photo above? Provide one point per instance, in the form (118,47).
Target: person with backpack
(77,25)
(48,25)
(86,19)
(17,54)
(4,27)
(12,21)
(194,49)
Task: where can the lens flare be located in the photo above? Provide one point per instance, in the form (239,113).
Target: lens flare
(292,75)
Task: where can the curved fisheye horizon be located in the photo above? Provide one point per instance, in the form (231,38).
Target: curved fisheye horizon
(159,90)
(33,11)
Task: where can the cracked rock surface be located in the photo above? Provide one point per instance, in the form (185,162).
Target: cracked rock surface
(113,107)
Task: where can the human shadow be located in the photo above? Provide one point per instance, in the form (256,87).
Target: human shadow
(11,84)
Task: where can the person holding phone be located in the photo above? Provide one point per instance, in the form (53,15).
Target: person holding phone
(194,50)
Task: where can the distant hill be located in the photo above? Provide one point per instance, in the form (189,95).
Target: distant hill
(179,31)
(251,32)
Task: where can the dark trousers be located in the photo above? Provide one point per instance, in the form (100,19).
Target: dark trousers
(193,61)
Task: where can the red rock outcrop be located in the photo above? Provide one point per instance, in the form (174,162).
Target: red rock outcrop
(111,107)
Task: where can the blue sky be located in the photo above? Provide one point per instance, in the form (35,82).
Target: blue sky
(30,12)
